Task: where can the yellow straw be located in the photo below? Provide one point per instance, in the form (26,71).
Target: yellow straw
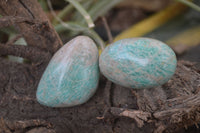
(152,22)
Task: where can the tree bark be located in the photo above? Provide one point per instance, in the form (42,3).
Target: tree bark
(38,32)
(170,107)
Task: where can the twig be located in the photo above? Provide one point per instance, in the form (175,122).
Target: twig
(96,37)
(28,52)
(24,98)
(66,11)
(15,125)
(190,4)
(83,12)
(139,116)
(66,25)
(109,34)
(77,28)
(107,98)
(104,113)
(62,13)
(107,93)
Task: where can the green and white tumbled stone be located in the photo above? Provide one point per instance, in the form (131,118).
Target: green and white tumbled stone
(72,75)
(138,63)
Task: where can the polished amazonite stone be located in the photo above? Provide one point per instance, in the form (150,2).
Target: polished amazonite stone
(72,75)
(138,63)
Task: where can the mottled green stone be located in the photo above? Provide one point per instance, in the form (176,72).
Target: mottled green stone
(138,63)
(72,75)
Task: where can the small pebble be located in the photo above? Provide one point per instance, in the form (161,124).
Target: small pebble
(138,63)
(71,78)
